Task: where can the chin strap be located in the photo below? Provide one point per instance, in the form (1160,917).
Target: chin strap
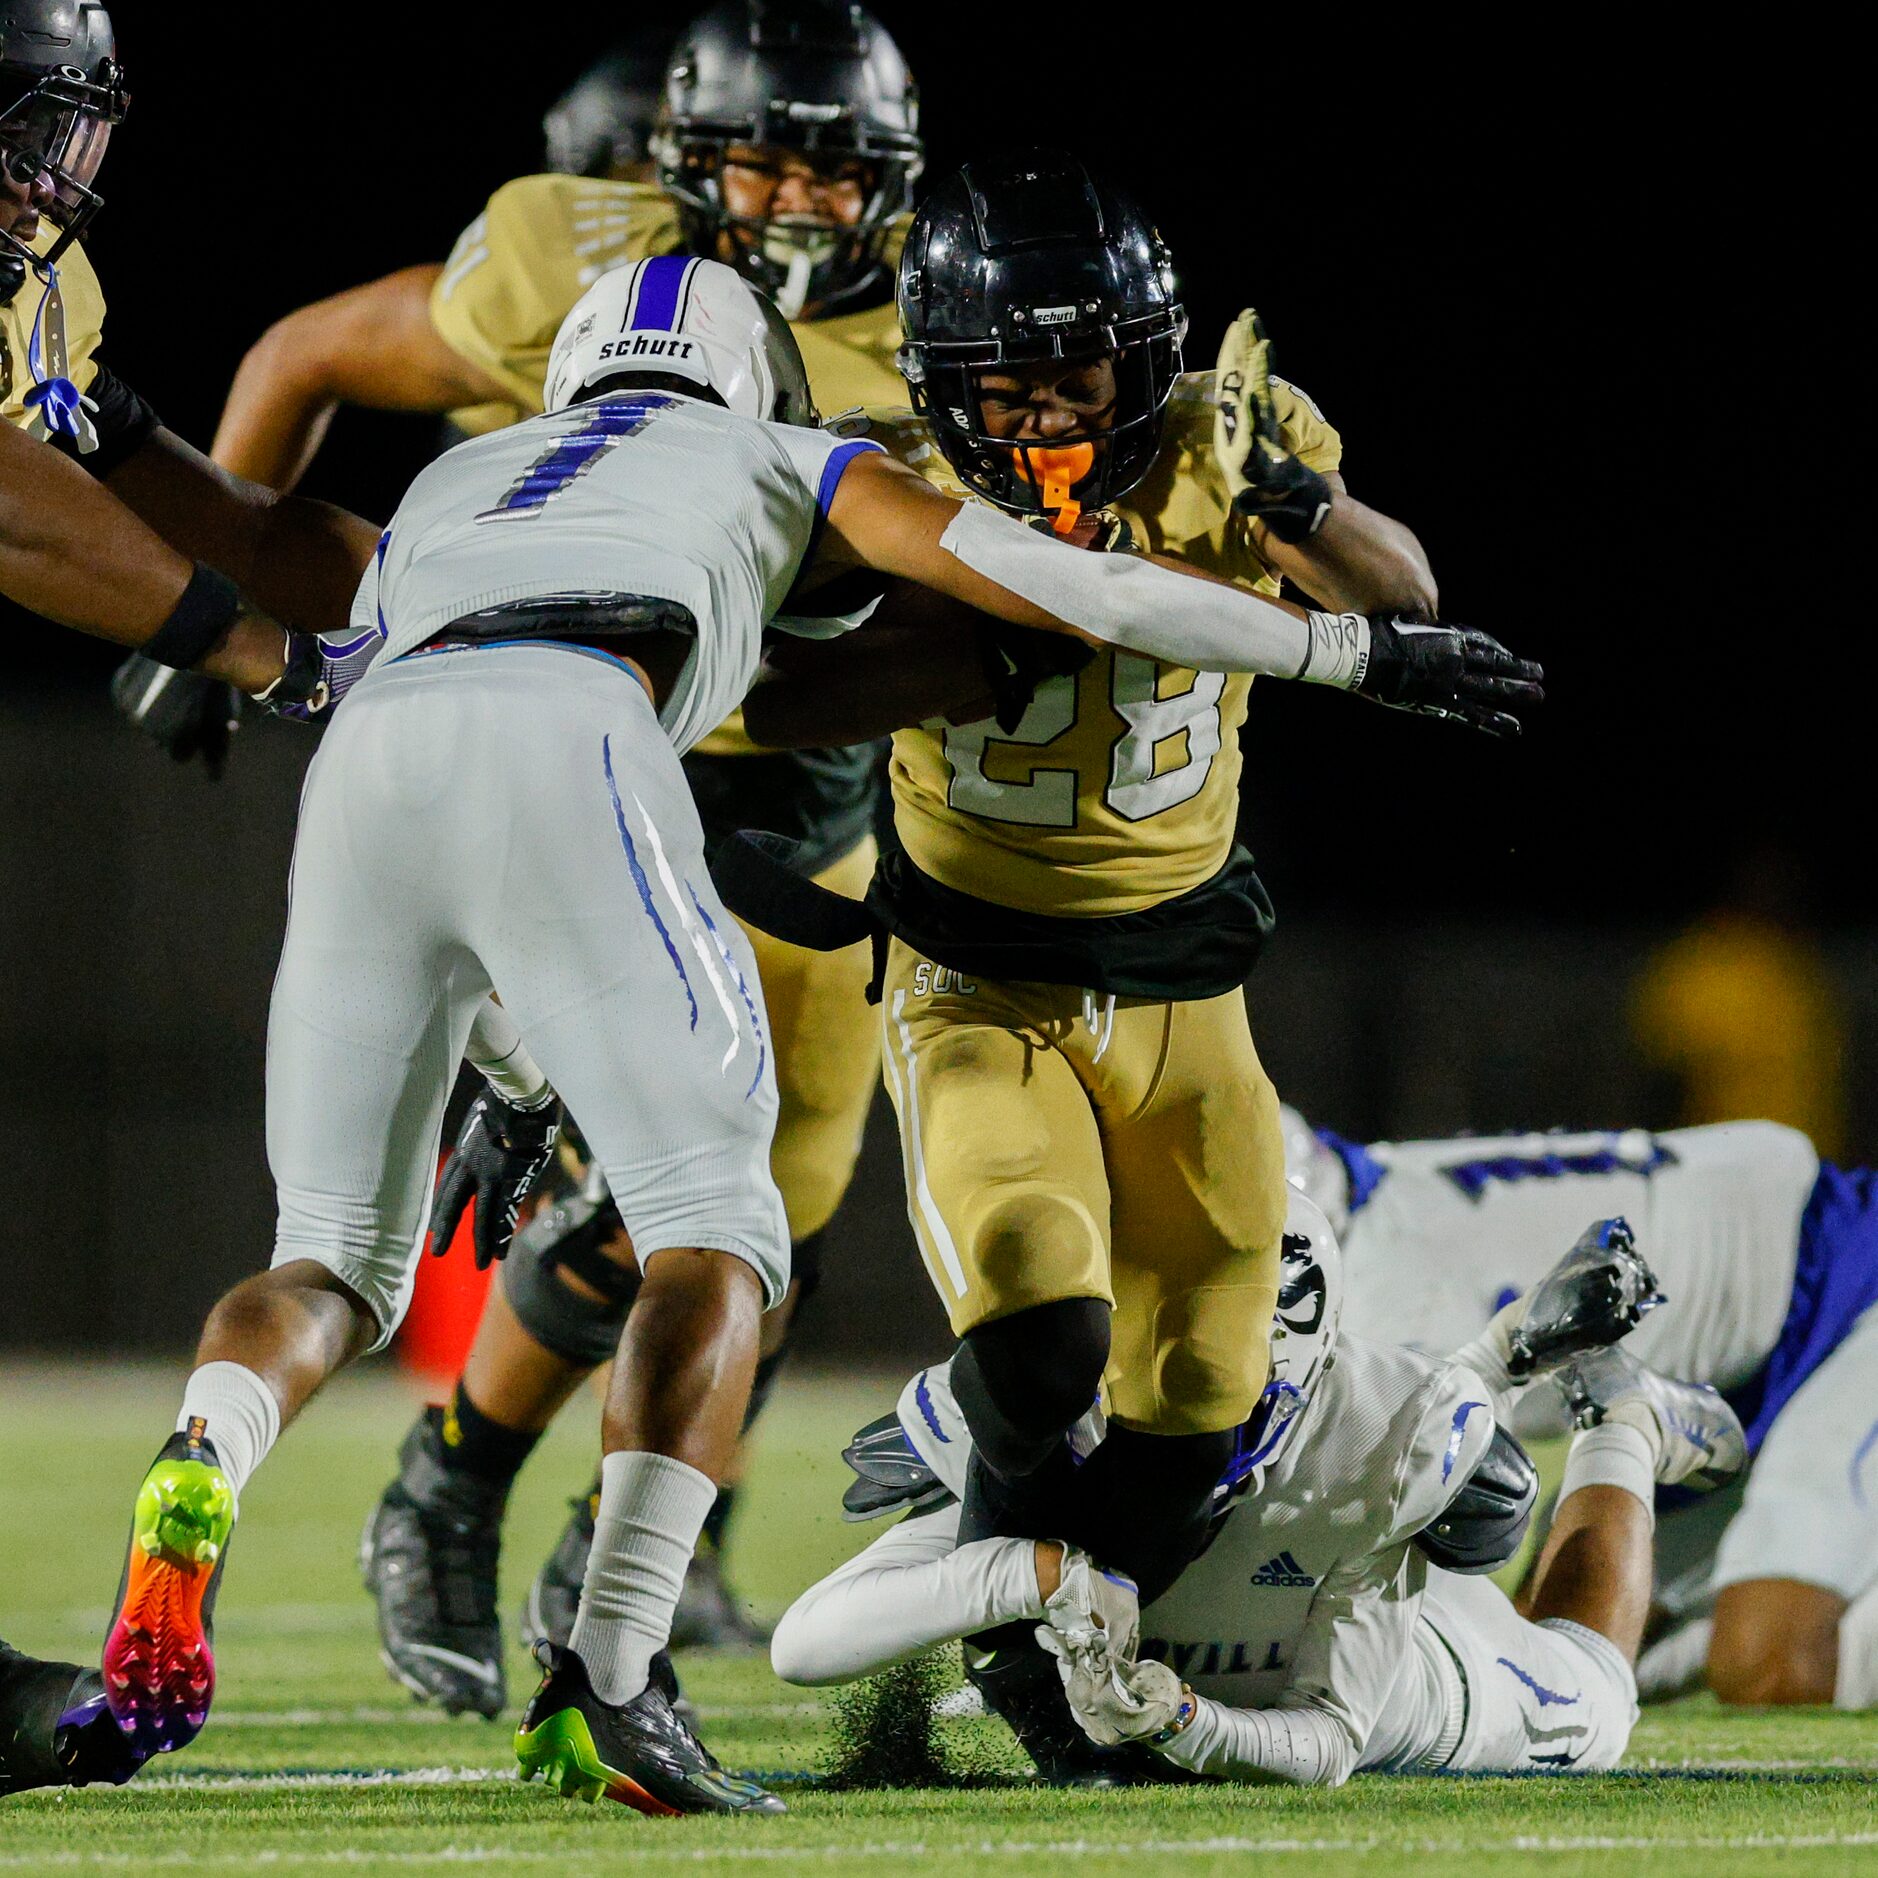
(57,407)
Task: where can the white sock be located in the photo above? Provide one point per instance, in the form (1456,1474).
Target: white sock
(1675,1664)
(239,1415)
(652,1510)
(1857,1684)
(1614,1454)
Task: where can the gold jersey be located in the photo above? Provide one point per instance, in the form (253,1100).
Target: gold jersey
(1120,787)
(84,325)
(544,240)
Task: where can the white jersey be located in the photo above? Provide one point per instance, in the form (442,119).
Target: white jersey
(1452,1228)
(1309,1594)
(647,493)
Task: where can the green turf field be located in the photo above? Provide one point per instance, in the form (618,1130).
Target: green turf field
(315,1762)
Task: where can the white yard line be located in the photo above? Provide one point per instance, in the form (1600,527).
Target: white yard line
(423,1716)
(619,1853)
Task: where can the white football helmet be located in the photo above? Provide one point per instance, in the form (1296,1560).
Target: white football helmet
(1304,1338)
(694,319)
(1314,1170)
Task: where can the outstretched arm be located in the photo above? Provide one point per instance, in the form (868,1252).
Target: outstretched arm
(372,345)
(70,550)
(883,516)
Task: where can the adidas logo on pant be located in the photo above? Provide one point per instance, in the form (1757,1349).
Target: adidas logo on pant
(1283,1573)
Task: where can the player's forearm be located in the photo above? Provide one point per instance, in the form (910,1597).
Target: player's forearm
(1296,1746)
(1146,604)
(879,1610)
(495,1048)
(1359,561)
(278,411)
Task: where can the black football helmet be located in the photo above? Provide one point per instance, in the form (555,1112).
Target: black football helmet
(819,76)
(61,91)
(1025,257)
(602,124)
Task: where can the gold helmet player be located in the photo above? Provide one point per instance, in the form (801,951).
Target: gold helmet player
(1094,1167)
(787,143)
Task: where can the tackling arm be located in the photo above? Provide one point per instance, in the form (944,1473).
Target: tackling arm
(373,345)
(70,550)
(1359,559)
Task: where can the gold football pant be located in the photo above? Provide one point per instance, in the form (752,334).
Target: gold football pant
(827,1057)
(1060,1146)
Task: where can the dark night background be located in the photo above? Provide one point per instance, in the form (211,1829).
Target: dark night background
(1588,334)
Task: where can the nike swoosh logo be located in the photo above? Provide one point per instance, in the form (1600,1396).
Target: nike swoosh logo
(455,1658)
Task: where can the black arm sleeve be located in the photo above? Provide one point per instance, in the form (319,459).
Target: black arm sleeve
(124,420)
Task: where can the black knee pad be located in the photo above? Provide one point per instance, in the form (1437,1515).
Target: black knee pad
(1023,1381)
(576,1328)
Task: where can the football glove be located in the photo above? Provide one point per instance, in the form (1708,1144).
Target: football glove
(183,712)
(1116,1702)
(1436,668)
(1267,482)
(319,672)
(501,1151)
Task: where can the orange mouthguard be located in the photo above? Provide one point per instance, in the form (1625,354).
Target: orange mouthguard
(1056,472)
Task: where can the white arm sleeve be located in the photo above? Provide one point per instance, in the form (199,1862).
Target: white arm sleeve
(495,1047)
(1359,1631)
(914,1587)
(1129,602)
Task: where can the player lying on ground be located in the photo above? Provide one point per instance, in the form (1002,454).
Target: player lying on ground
(1323,1630)
(563,606)
(787,144)
(1771,1260)
(1093,1162)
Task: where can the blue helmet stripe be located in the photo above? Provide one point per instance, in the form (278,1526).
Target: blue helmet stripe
(661,280)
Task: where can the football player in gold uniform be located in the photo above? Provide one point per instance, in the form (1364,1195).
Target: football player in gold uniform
(787,144)
(1093,1159)
(111,552)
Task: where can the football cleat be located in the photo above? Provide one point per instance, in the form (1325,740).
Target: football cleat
(710,1615)
(1020,1684)
(159,1657)
(1598,1292)
(638,1753)
(1701,1443)
(428,1556)
(55,1730)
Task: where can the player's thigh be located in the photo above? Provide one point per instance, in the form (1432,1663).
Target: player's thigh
(638,995)
(1546,1697)
(827,1056)
(371,1008)
(1810,1511)
(1005,1183)
(1198,1181)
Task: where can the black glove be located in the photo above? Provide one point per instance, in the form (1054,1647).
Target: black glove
(1443,670)
(187,714)
(1017,659)
(500,1152)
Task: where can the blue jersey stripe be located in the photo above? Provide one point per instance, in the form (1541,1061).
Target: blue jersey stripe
(660,281)
(833,470)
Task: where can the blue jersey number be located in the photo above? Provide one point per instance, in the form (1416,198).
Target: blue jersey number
(609,422)
(1474,1177)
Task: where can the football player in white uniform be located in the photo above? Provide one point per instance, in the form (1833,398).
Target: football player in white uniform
(558,611)
(1770,1260)
(1322,1630)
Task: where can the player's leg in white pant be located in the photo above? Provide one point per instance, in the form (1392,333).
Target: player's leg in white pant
(1542,1697)
(1804,1546)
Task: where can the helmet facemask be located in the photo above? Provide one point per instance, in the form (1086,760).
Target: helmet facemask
(58,129)
(799,260)
(1058,476)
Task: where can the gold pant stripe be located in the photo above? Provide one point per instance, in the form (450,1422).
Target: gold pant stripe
(921,1210)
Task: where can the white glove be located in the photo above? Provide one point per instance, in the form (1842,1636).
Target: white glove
(1094,1606)
(1133,1702)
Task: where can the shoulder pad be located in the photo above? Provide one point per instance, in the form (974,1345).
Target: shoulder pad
(1485,1523)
